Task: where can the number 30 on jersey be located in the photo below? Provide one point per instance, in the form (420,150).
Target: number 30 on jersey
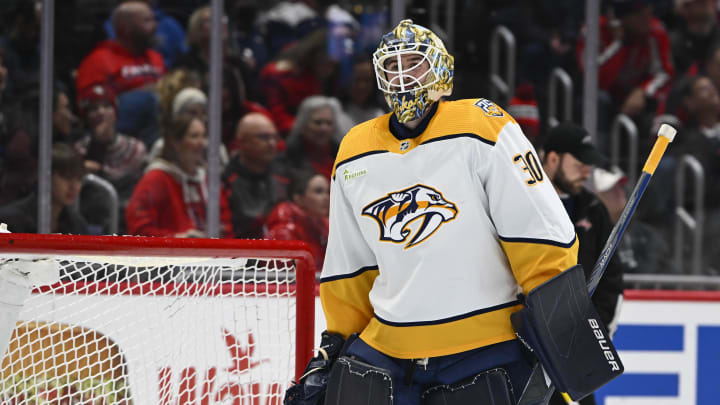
(529,164)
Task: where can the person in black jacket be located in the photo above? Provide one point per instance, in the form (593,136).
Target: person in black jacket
(568,159)
(67,175)
(701,140)
(251,185)
(696,34)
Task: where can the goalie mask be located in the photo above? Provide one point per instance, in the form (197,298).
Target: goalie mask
(408,87)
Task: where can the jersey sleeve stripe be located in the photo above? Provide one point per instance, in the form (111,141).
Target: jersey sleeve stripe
(532,263)
(463,135)
(346,303)
(539,241)
(356,157)
(350,275)
(450,319)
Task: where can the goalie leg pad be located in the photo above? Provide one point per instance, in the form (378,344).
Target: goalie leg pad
(354,382)
(535,391)
(489,387)
(560,324)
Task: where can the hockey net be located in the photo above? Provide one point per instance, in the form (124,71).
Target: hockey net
(160,321)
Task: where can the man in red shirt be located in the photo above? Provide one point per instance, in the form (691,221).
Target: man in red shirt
(635,64)
(128,62)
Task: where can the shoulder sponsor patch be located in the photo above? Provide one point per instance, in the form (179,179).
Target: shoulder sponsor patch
(353,174)
(489,108)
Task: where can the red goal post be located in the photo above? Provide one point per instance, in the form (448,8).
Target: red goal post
(118,297)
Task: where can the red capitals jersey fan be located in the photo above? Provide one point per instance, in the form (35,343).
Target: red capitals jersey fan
(112,64)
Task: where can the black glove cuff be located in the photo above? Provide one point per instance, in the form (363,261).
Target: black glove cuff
(332,344)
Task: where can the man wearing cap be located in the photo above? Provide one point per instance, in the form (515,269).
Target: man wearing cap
(568,159)
(635,64)
(118,158)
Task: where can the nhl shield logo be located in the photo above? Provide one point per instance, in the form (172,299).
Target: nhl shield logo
(395,213)
(489,108)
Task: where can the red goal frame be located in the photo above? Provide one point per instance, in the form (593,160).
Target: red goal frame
(42,244)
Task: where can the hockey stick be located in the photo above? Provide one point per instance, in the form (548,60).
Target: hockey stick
(666,134)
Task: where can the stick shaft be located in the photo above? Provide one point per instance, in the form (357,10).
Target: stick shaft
(617,232)
(612,242)
(656,154)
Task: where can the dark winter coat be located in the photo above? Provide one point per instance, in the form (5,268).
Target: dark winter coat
(250,196)
(593,225)
(21,217)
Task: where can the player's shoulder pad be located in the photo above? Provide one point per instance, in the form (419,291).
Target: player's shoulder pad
(479,116)
(362,140)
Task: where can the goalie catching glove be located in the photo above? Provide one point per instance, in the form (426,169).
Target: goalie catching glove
(560,324)
(310,389)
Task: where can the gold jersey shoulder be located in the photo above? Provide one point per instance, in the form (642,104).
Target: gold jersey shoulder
(481,117)
(363,139)
(478,118)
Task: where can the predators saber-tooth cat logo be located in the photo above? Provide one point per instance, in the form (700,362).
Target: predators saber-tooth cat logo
(396,211)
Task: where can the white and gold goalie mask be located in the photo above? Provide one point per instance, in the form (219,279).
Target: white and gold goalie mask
(412,84)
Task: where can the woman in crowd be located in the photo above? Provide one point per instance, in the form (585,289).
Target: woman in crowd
(170,199)
(305,216)
(312,144)
(170,85)
(189,101)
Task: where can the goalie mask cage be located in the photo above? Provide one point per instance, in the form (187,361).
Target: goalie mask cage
(137,320)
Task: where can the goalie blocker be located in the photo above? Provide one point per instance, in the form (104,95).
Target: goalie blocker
(561,326)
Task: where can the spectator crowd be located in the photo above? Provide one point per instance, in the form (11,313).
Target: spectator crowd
(130,105)
(658,62)
(132,110)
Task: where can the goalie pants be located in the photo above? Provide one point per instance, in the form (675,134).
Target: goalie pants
(410,377)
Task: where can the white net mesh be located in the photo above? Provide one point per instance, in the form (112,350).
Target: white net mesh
(136,330)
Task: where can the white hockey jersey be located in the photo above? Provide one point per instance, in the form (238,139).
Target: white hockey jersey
(431,238)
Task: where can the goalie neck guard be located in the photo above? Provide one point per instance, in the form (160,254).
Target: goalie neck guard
(408,94)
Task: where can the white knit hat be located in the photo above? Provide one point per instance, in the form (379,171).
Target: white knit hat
(188,95)
(604,180)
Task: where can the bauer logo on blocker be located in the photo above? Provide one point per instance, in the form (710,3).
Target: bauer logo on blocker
(603,342)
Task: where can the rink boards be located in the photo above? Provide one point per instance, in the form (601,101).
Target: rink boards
(670,344)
